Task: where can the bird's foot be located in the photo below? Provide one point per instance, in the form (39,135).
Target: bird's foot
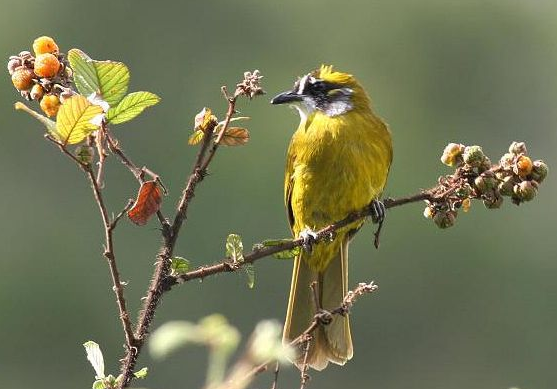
(309,238)
(378,211)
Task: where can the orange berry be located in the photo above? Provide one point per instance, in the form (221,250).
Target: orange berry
(523,166)
(22,78)
(50,104)
(45,44)
(37,92)
(46,65)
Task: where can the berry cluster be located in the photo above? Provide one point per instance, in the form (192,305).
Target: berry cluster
(44,77)
(475,177)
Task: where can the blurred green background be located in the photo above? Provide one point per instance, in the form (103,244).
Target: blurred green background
(474,306)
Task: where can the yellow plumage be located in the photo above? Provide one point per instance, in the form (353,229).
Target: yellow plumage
(336,164)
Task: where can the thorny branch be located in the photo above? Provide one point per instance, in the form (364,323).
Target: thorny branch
(160,281)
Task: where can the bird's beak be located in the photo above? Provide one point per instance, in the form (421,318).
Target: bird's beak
(286,97)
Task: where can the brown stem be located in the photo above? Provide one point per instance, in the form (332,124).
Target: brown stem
(161,281)
(109,244)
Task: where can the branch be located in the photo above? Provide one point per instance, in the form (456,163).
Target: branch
(160,283)
(109,227)
(324,234)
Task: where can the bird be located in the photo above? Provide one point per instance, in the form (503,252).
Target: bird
(337,162)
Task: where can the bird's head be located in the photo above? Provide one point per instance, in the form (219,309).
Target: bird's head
(331,92)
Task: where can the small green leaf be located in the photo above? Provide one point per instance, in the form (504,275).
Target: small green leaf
(99,384)
(235,248)
(196,137)
(141,374)
(84,72)
(108,79)
(114,78)
(131,106)
(49,124)
(179,266)
(74,119)
(286,254)
(250,272)
(95,357)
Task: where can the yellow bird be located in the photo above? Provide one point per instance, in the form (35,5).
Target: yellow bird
(338,162)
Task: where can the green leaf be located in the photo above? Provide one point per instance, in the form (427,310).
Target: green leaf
(108,79)
(250,272)
(114,78)
(196,137)
(172,336)
(95,357)
(99,384)
(73,122)
(84,72)
(286,254)
(131,106)
(49,124)
(179,266)
(235,248)
(141,374)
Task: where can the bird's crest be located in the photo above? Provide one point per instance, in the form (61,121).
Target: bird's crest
(326,73)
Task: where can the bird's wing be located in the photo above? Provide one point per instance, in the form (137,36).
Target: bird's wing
(288,181)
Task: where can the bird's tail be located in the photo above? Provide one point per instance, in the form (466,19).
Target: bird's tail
(332,342)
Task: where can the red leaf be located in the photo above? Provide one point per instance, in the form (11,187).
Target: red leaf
(148,202)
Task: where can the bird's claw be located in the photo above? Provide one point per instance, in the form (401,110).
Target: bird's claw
(378,211)
(309,238)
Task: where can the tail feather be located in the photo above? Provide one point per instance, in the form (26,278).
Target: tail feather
(331,343)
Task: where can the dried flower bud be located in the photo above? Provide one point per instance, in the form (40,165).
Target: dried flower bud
(452,154)
(517,148)
(493,201)
(507,161)
(463,191)
(539,171)
(485,165)
(85,154)
(506,186)
(25,55)
(526,190)
(523,166)
(444,219)
(13,64)
(36,92)
(473,156)
(485,182)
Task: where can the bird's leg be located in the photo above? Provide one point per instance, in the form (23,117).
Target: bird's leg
(309,237)
(378,211)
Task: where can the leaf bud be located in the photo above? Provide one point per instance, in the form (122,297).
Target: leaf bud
(452,153)
(523,166)
(464,191)
(85,154)
(485,182)
(486,164)
(526,190)
(506,186)
(473,156)
(517,148)
(539,171)
(444,219)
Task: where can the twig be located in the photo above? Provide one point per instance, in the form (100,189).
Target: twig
(276,375)
(109,245)
(161,281)
(322,235)
(304,376)
(100,141)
